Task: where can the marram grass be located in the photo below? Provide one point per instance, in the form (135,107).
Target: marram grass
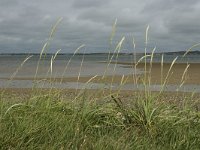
(54,121)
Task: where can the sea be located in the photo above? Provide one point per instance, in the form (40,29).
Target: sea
(14,67)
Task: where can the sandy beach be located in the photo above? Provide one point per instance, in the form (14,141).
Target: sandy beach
(175,75)
(153,74)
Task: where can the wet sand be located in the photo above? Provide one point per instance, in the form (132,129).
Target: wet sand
(192,75)
(175,76)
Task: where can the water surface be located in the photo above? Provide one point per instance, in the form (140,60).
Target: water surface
(83,66)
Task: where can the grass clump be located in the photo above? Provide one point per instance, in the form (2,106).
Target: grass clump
(52,121)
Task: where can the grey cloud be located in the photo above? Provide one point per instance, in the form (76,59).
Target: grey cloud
(25,25)
(90,3)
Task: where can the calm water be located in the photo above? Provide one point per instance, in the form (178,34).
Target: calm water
(87,65)
(90,66)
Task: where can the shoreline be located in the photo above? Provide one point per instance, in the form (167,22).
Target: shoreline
(191,76)
(175,76)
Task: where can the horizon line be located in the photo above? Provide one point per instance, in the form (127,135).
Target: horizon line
(32,53)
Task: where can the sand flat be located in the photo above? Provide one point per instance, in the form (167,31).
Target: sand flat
(192,75)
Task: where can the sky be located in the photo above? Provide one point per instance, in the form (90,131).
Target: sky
(25,25)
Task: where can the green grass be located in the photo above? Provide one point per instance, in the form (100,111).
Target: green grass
(53,121)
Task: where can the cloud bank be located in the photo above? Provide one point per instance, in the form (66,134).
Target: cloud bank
(25,25)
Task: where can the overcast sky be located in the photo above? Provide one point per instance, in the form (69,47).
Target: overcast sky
(25,24)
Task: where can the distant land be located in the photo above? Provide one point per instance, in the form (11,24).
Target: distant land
(158,53)
(183,52)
